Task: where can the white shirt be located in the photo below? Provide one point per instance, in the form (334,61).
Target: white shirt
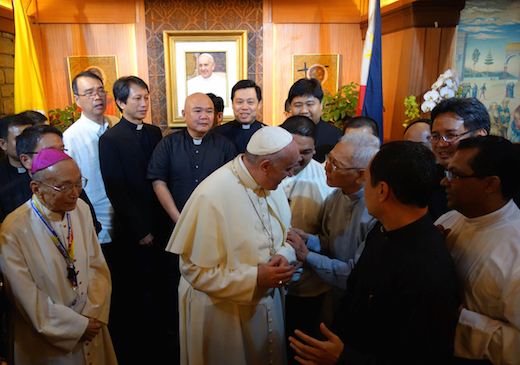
(486,251)
(81,140)
(213,84)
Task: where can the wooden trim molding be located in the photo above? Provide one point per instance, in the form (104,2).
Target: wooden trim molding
(417,14)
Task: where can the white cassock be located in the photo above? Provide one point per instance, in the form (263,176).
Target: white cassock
(222,235)
(45,328)
(213,84)
(486,252)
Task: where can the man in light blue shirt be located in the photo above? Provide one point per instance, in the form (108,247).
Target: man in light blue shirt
(345,221)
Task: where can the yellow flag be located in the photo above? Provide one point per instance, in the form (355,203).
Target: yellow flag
(28,85)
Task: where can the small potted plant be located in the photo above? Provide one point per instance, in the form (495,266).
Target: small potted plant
(342,106)
(63,119)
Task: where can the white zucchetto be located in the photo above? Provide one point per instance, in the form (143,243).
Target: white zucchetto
(268,140)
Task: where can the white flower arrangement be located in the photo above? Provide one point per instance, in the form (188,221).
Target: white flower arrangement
(447,86)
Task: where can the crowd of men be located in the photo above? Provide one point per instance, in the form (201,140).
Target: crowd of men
(242,243)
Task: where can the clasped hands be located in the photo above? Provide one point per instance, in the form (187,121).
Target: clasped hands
(297,239)
(277,272)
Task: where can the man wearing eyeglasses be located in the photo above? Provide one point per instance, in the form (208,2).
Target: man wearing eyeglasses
(82,140)
(57,279)
(344,219)
(36,138)
(452,121)
(483,236)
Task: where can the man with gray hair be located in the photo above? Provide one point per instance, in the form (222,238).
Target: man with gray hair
(234,259)
(344,218)
(207,81)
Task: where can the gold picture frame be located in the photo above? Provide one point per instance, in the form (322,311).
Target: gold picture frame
(181,51)
(103,66)
(324,67)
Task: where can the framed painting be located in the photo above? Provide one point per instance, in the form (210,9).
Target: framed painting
(103,66)
(202,61)
(324,67)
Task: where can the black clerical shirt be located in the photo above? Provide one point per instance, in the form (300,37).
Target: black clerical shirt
(235,132)
(14,187)
(183,165)
(402,299)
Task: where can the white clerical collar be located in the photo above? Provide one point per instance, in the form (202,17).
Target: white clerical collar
(21,170)
(197,141)
(139,127)
(246,126)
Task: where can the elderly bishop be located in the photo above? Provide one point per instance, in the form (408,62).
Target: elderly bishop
(56,276)
(234,259)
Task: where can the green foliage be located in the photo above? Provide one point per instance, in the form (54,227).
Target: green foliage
(341,107)
(412,110)
(62,119)
(475,56)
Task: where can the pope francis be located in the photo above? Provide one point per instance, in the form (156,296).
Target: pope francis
(234,259)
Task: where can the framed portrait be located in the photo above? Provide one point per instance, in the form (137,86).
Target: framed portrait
(103,66)
(324,67)
(202,61)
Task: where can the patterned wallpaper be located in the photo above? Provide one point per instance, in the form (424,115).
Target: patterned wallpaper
(198,15)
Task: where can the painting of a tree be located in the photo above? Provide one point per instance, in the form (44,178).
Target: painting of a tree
(488,61)
(475,56)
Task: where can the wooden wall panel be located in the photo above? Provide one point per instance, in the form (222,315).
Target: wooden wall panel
(58,41)
(424,54)
(289,39)
(394,79)
(312,11)
(86,12)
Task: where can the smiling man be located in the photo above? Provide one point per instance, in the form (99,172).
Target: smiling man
(247,101)
(452,121)
(234,259)
(305,98)
(207,81)
(344,224)
(483,235)
(139,222)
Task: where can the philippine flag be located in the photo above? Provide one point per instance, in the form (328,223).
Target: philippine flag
(371,90)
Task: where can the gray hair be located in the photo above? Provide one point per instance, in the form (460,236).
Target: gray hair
(365,146)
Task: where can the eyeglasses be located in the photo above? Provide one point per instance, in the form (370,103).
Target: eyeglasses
(450,175)
(448,137)
(91,95)
(335,168)
(67,188)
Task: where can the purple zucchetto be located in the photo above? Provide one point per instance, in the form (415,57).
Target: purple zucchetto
(46,158)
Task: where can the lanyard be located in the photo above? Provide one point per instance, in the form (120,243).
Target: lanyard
(67,253)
